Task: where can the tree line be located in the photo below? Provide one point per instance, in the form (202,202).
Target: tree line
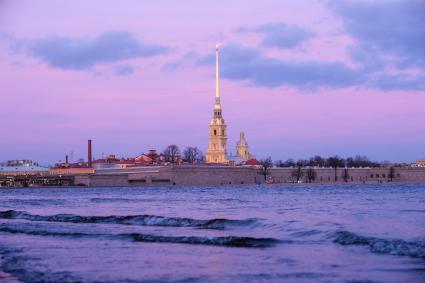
(332,161)
(191,154)
(306,167)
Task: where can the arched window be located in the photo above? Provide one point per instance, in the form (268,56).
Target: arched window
(215,132)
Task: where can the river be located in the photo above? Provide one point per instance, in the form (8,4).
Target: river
(247,233)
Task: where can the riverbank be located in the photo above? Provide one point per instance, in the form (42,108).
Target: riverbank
(187,175)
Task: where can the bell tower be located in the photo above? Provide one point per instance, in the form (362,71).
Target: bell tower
(242,150)
(217,151)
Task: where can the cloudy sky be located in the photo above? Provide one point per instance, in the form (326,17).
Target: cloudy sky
(299,77)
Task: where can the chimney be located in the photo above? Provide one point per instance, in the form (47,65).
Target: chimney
(89,157)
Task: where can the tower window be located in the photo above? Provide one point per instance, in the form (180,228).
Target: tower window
(215,132)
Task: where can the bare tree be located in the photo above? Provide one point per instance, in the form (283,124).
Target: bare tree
(266,165)
(297,173)
(192,154)
(311,174)
(279,163)
(391,174)
(318,161)
(287,163)
(302,163)
(345,175)
(334,162)
(171,153)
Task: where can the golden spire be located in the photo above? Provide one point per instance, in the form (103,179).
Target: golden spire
(217,94)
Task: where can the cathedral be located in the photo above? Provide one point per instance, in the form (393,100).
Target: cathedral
(217,146)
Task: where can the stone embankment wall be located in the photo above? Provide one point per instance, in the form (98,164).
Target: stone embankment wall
(327,175)
(215,175)
(355,175)
(169,175)
(187,175)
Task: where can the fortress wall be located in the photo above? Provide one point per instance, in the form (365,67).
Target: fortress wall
(140,176)
(214,175)
(356,175)
(412,174)
(323,175)
(82,180)
(109,180)
(176,175)
(187,175)
(159,177)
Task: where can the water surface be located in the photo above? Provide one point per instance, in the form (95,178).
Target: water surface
(268,233)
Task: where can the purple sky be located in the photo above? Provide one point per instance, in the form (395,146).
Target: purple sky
(299,77)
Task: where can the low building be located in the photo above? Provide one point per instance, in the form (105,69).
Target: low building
(71,171)
(112,162)
(144,159)
(420,163)
(252,162)
(67,165)
(23,170)
(21,162)
(150,158)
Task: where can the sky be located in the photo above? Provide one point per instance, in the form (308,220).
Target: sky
(299,77)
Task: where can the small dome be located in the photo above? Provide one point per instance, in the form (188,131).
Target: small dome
(242,141)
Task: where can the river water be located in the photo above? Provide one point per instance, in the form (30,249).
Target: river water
(258,233)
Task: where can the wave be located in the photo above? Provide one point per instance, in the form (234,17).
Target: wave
(227,241)
(376,245)
(307,233)
(141,220)
(19,267)
(101,200)
(33,202)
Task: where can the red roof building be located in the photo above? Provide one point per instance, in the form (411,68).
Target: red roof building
(252,162)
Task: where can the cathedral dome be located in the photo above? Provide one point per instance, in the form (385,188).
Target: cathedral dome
(242,141)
